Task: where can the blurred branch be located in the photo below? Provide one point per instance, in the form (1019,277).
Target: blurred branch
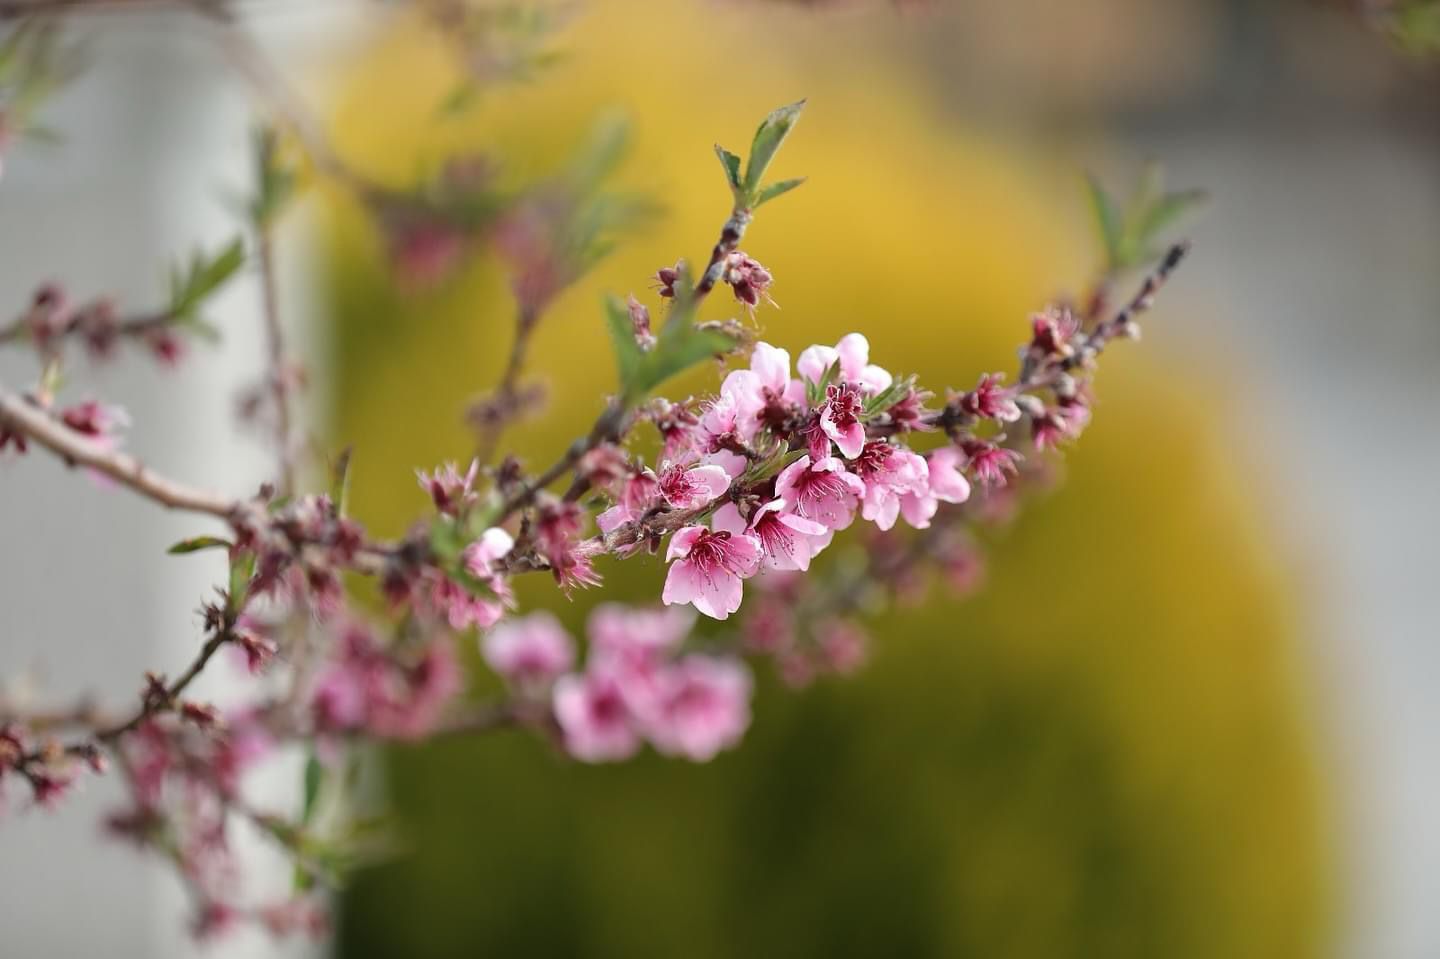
(23,416)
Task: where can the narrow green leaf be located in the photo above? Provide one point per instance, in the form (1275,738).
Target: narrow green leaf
(888,397)
(1166,211)
(628,355)
(192,287)
(731,164)
(686,351)
(340,482)
(275,180)
(773,190)
(815,392)
(314,776)
(196,543)
(772,132)
(242,570)
(603,150)
(1107,219)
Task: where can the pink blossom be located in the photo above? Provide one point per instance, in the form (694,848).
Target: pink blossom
(988,463)
(842,645)
(631,644)
(338,701)
(244,745)
(666,277)
(166,347)
(764,395)
(574,568)
(692,488)
(531,651)
(416,698)
(824,492)
(639,492)
(947,482)
(96,420)
(463,609)
(425,251)
(640,322)
(9,436)
(627,632)
(451,492)
(704,707)
(990,400)
(481,556)
(678,427)
(1052,334)
(747,278)
(1063,421)
(706,569)
(594,719)
(943,483)
(789,540)
(909,412)
(852,354)
(894,477)
(840,418)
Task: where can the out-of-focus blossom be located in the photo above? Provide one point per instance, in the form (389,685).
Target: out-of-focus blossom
(530,651)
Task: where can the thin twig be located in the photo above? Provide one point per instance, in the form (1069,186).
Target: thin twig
(502,401)
(279,374)
(153,705)
(134,327)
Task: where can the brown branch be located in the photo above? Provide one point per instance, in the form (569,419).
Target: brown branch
(279,375)
(493,413)
(730,236)
(135,327)
(154,705)
(26,418)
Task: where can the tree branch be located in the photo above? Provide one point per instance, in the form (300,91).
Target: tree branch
(26,418)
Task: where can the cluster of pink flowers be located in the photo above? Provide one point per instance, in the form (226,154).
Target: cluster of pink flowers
(387,693)
(638,684)
(830,468)
(750,484)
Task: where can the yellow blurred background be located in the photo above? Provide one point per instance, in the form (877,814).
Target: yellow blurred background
(1109,752)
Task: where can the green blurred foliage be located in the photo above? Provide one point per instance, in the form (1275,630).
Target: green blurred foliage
(1103,755)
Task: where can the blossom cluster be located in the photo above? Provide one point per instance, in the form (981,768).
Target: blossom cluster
(819,468)
(638,685)
(750,485)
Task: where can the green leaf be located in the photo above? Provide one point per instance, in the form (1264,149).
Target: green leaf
(773,190)
(196,543)
(679,346)
(731,164)
(446,540)
(203,277)
(888,397)
(597,159)
(340,482)
(314,776)
(685,350)
(628,355)
(815,392)
(1107,218)
(275,180)
(772,132)
(1166,211)
(242,570)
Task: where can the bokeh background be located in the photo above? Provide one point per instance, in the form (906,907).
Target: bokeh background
(1190,715)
